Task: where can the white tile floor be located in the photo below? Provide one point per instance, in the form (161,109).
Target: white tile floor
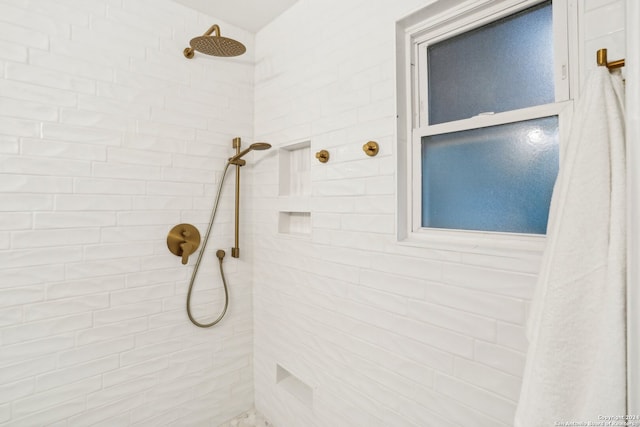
(251,418)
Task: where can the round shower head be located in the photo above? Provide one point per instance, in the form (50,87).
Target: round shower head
(260,146)
(215,45)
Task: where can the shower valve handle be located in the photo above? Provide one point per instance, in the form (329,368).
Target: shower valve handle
(183,240)
(187,249)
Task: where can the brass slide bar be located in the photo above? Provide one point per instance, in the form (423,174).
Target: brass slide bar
(235,251)
(238,161)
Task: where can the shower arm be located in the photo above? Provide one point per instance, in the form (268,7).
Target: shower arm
(213,28)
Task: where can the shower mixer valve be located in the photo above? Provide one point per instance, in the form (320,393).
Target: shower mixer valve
(183,240)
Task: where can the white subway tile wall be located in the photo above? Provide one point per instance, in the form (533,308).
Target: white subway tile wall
(108,138)
(385,334)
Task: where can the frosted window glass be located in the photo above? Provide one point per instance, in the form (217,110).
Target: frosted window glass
(502,66)
(498,178)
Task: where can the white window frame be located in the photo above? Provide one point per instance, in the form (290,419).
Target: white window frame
(453,18)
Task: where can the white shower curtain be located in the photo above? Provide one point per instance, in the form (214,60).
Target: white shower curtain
(576,362)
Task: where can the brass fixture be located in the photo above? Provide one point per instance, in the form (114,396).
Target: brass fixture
(214,45)
(183,240)
(601,60)
(322,156)
(238,161)
(220,254)
(371,148)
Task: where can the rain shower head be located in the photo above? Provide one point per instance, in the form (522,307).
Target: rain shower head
(254,146)
(214,45)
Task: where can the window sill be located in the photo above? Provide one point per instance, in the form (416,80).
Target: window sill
(474,241)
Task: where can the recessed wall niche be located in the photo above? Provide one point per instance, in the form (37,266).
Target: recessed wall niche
(295,170)
(294,385)
(295,223)
(295,189)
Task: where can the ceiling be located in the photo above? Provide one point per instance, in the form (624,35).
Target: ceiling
(250,15)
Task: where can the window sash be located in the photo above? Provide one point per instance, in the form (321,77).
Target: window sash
(439,33)
(560,109)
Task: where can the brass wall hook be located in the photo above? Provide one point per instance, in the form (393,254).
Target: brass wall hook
(601,60)
(322,156)
(371,148)
(183,240)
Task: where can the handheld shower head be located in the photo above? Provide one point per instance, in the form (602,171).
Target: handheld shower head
(260,146)
(254,146)
(214,45)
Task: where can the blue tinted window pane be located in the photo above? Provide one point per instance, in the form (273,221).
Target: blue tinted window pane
(502,66)
(498,178)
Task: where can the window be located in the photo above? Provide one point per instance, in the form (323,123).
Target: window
(489,93)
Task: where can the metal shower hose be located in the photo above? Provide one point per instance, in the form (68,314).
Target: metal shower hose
(220,254)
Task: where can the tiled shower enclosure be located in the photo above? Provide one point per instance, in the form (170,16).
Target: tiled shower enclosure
(109,137)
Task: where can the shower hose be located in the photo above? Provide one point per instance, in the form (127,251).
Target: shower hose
(219,254)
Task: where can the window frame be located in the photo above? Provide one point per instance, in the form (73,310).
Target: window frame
(451,21)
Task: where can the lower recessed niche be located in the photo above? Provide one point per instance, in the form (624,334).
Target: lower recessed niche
(295,223)
(294,385)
